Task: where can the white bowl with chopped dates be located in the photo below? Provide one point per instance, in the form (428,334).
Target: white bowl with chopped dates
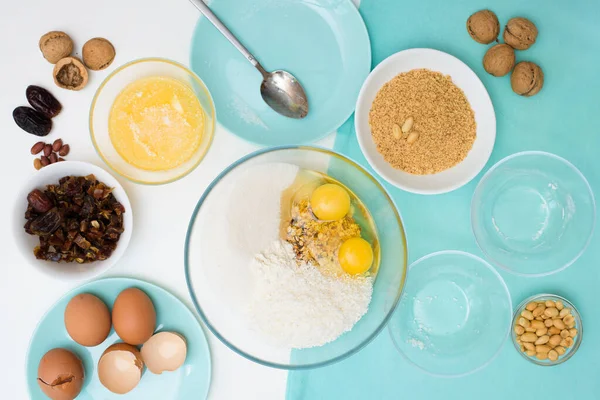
(73,219)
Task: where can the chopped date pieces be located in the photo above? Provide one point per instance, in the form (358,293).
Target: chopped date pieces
(77,220)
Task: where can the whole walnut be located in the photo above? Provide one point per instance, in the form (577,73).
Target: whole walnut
(98,53)
(527,79)
(483,26)
(520,33)
(55,46)
(499,60)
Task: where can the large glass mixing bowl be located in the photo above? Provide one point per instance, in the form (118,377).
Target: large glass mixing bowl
(217,299)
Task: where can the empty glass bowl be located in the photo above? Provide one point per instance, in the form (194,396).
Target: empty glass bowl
(578,325)
(533,213)
(112,87)
(454,315)
(221,291)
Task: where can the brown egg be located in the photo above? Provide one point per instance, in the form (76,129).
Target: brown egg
(120,368)
(60,374)
(134,317)
(87,320)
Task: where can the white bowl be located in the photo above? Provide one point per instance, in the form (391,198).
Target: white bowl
(478,97)
(26,243)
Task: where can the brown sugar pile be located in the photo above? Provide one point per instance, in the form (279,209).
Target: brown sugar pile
(442,130)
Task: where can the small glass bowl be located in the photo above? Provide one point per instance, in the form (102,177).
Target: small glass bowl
(578,325)
(112,87)
(533,214)
(454,314)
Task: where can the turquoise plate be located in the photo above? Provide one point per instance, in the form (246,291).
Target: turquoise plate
(191,381)
(324,43)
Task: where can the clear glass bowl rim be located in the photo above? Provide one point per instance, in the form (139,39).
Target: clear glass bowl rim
(533,153)
(214,330)
(508,330)
(578,321)
(141,61)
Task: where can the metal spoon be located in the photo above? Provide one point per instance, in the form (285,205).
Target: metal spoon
(279,89)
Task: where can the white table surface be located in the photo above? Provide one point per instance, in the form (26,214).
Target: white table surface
(137,28)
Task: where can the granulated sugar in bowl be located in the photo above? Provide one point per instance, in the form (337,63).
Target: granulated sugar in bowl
(262,270)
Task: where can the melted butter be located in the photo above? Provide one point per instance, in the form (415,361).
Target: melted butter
(156,123)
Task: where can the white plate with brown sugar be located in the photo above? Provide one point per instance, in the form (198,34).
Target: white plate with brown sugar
(425,122)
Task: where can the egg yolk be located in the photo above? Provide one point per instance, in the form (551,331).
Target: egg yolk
(355,256)
(330,202)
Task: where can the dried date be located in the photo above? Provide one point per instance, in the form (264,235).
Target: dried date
(43,101)
(47,223)
(32,121)
(39,201)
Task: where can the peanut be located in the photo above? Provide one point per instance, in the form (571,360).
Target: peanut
(549,303)
(564,312)
(564,334)
(573,332)
(412,137)
(560,350)
(531,306)
(553,355)
(529,346)
(37,163)
(542,348)
(57,145)
(537,324)
(559,323)
(529,337)
(396,131)
(555,340)
(37,148)
(527,314)
(539,310)
(408,124)
(548,323)
(524,322)
(531,353)
(519,330)
(542,340)
(542,356)
(559,305)
(530,329)
(553,330)
(569,319)
(551,312)
(542,331)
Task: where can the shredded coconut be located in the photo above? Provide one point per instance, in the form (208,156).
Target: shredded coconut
(296,306)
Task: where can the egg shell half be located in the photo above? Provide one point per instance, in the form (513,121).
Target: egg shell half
(60,374)
(134,316)
(87,320)
(120,368)
(165,351)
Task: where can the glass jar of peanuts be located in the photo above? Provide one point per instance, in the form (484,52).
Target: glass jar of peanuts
(547,329)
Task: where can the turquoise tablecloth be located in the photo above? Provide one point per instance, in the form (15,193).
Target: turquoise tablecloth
(564,119)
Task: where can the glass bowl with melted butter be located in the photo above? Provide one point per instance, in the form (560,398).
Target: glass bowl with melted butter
(152,121)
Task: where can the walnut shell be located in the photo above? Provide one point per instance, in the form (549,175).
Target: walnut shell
(520,33)
(499,60)
(70,73)
(56,45)
(483,26)
(98,54)
(527,79)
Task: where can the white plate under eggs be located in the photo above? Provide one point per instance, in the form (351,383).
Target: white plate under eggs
(463,77)
(26,243)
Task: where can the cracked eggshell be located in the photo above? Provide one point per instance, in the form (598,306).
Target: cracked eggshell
(120,368)
(60,374)
(165,351)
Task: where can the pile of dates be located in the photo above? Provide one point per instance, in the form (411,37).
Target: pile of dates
(37,119)
(77,220)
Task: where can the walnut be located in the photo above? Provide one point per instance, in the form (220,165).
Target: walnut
(499,60)
(56,45)
(527,79)
(98,54)
(70,73)
(483,26)
(520,33)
